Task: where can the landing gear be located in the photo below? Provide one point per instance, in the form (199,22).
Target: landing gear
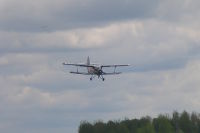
(100,76)
(93,76)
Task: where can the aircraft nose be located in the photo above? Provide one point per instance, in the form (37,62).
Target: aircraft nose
(100,71)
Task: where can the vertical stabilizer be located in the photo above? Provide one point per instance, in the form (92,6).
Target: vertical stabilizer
(88,63)
(88,60)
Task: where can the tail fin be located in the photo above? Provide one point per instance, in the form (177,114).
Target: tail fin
(88,60)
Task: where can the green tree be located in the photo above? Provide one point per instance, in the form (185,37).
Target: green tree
(122,128)
(195,122)
(162,125)
(99,127)
(185,122)
(148,128)
(111,127)
(86,127)
(178,123)
(132,125)
(175,121)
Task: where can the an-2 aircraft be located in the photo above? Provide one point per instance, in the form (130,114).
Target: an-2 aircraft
(94,69)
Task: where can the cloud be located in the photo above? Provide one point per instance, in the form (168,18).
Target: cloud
(46,15)
(39,95)
(179,10)
(31,16)
(156,91)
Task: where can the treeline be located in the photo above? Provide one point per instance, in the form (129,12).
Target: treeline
(176,123)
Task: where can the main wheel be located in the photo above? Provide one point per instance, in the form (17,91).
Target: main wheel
(90,79)
(103,79)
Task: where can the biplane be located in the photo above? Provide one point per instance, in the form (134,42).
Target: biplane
(95,69)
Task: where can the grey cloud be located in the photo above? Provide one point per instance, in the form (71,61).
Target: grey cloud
(151,45)
(34,16)
(38,93)
(14,42)
(51,16)
(90,102)
(180,10)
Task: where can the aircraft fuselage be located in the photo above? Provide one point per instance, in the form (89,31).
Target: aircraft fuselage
(95,70)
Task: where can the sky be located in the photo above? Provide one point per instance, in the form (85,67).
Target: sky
(160,39)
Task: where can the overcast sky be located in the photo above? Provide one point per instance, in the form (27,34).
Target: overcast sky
(160,39)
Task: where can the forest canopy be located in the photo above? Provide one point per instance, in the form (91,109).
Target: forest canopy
(175,123)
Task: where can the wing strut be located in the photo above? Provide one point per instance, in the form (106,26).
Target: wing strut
(115,69)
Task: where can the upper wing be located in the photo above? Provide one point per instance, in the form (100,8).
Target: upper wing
(80,65)
(113,73)
(114,65)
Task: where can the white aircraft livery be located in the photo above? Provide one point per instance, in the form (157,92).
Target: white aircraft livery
(94,69)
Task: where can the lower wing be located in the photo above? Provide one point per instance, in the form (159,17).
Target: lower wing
(114,65)
(80,73)
(113,73)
